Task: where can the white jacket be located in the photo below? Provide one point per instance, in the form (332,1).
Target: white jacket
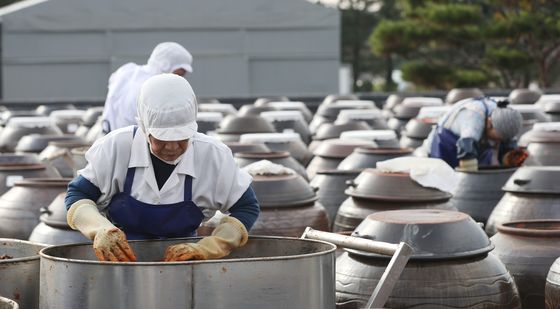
(217,181)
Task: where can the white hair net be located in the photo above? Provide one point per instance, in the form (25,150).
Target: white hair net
(170,56)
(167,108)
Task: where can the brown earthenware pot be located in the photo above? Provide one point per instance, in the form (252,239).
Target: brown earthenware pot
(530,193)
(528,250)
(450,266)
(20,206)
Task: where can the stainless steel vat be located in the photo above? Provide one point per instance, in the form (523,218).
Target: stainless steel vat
(19,271)
(268,272)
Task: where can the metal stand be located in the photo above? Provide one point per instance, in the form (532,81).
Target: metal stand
(400,254)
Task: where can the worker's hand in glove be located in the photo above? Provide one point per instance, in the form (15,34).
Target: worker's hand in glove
(469,165)
(515,157)
(228,235)
(109,243)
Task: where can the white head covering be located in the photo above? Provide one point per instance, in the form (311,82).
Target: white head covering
(167,108)
(170,56)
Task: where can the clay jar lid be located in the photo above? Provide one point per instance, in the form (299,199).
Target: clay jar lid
(248,110)
(545,132)
(458,94)
(55,213)
(410,106)
(393,100)
(244,147)
(245,124)
(336,148)
(283,190)
(91,115)
(531,113)
(417,128)
(531,228)
(331,111)
(552,107)
(406,112)
(524,96)
(534,179)
(433,234)
(333,130)
(37,142)
(364,157)
(398,187)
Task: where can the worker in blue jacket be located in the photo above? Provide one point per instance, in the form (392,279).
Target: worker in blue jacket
(477,131)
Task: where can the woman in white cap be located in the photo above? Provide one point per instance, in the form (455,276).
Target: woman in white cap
(468,134)
(125,82)
(161,180)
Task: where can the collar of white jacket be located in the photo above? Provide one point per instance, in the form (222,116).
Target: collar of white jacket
(427,172)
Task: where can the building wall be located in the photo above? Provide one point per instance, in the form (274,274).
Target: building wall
(68,48)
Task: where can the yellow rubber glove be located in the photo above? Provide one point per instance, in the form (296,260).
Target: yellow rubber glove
(109,242)
(228,235)
(469,165)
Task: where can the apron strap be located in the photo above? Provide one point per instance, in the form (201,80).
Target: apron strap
(131,171)
(188,188)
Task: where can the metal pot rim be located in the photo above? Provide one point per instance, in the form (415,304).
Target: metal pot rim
(22,259)
(44,254)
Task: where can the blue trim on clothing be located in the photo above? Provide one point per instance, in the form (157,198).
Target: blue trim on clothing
(467,149)
(80,188)
(246,209)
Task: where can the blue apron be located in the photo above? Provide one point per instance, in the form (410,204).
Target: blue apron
(141,220)
(444,146)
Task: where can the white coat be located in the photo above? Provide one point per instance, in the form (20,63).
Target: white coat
(125,83)
(217,181)
(123,90)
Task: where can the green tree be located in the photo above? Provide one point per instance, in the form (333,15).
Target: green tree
(525,35)
(441,43)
